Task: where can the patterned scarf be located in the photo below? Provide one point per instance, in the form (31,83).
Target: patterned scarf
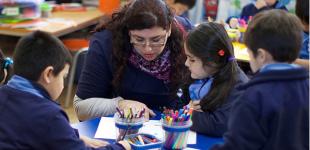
(158,68)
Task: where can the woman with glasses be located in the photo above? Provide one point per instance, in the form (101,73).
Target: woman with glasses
(135,60)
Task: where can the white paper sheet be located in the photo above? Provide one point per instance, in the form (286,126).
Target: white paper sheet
(106,130)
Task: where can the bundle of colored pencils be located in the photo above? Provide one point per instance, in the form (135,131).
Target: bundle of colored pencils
(176,117)
(130,114)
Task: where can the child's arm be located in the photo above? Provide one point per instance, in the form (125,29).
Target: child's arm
(211,123)
(61,136)
(214,123)
(93,142)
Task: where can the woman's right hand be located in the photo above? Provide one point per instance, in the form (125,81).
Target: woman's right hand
(127,104)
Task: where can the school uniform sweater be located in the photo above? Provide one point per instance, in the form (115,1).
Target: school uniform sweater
(29,119)
(95,81)
(272,114)
(215,123)
(251,10)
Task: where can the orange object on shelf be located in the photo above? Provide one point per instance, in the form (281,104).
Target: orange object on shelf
(71,7)
(109,6)
(75,44)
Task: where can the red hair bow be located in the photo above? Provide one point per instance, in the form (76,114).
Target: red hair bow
(221,52)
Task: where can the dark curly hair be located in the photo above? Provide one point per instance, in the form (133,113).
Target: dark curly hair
(138,15)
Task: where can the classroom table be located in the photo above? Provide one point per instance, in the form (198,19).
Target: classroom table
(89,128)
(60,23)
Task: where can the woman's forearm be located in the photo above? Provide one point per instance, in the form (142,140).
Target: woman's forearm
(94,107)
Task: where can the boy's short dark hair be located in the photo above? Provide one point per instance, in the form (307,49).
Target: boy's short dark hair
(302,10)
(36,51)
(189,3)
(276,31)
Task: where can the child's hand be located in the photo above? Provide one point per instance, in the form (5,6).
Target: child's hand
(125,144)
(93,142)
(195,104)
(260,4)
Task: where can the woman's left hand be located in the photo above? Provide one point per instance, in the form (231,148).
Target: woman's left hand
(195,104)
(94,143)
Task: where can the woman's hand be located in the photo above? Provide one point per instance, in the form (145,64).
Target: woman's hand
(93,142)
(127,104)
(195,104)
(125,144)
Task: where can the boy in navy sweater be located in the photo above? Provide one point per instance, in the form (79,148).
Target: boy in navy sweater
(29,116)
(273,112)
(260,5)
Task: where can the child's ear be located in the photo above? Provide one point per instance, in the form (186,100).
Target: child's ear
(263,56)
(47,74)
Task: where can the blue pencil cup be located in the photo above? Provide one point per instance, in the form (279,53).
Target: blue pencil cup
(176,135)
(149,141)
(126,126)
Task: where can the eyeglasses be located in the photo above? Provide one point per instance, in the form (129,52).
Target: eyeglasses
(154,43)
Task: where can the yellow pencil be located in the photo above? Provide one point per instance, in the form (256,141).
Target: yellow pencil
(140,139)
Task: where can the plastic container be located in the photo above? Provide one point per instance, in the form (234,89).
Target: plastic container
(126,126)
(20,9)
(149,141)
(176,134)
(46,10)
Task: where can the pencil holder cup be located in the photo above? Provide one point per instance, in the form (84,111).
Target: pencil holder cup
(127,126)
(176,135)
(143,141)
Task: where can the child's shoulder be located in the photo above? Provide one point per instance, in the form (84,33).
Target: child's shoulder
(34,110)
(28,100)
(279,76)
(272,84)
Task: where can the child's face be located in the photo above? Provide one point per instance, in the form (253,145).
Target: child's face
(270,2)
(56,85)
(196,67)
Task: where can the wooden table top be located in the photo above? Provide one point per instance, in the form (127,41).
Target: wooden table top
(60,23)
